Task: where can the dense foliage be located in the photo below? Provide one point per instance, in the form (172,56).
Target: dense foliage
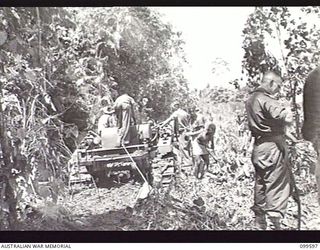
(57,65)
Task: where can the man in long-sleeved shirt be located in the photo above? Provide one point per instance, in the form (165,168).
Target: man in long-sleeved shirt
(124,109)
(267,120)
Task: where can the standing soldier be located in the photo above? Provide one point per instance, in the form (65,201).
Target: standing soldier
(124,108)
(267,120)
(202,139)
(181,124)
(179,117)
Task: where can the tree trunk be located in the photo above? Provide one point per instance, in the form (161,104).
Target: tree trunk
(8,213)
(296,110)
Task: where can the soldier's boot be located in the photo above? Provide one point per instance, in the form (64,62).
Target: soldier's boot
(260,222)
(273,221)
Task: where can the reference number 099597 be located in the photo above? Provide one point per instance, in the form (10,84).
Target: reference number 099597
(309,246)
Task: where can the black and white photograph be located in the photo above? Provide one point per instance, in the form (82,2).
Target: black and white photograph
(153,118)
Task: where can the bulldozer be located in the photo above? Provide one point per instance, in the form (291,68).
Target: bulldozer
(148,157)
(102,158)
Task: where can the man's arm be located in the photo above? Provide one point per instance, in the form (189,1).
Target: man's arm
(133,115)
(212,142)
(288,119)
(171,117)
(134,107)
(274,109)
(194,133)
(116,104)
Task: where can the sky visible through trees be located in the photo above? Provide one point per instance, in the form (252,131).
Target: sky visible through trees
(210,33)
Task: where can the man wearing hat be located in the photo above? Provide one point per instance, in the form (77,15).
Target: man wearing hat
(114,87)
(107,120)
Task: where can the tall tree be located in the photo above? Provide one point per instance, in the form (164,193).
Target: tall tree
(137,50)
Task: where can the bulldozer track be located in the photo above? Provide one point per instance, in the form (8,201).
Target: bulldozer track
(167,172)
(164,172)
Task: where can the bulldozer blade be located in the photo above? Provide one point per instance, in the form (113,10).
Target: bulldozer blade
(144,191)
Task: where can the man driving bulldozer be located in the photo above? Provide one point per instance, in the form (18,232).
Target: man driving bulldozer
(107,120)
